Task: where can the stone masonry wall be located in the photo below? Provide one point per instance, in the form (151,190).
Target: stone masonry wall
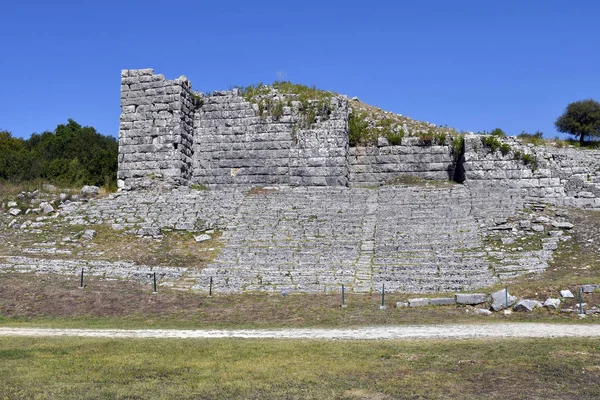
(155,133)
(236,146)
(559,176)
(373,165)
(170,136)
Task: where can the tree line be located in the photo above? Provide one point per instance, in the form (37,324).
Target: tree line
(71,155)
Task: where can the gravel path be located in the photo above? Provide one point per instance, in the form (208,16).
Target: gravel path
(508,330)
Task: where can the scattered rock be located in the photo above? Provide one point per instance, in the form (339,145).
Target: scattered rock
(589,288)
(442,301)
(89,234)
(499,300)
(508,240)
(47,187)
(14,212)
(555,233)
(471,298)
(149,231)
(537,228)
(47,209)
(12,204)
(566,293)
(401,304)
(527,305)
(562,225)
(63,197)
(201,238)
(418,302)
(552,303)
(90,190)
(525,224)
(482,311)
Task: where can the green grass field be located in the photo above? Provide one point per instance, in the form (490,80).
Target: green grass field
(75,368)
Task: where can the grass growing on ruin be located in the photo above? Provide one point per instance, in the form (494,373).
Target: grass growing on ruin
(73,368)
(175,249)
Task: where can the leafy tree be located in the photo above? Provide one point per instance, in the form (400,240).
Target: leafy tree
(72,155)
(581,119)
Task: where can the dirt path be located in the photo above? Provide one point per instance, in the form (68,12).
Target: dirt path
(514,330)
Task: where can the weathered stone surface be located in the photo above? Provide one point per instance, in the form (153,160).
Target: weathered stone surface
(401,304)
(472,298)
(566,293)
(89,234)
(527,305)
(420,302)
(90,190)
(201,238)
(482,311)
(552,303)
(14,211)
(442,301)
(499,300)
(562,225)
(590,288)
(11,204)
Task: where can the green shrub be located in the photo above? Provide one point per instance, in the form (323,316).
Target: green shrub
(395,139)
(458,146)
(491,142)
(359,132)
(498,133)
(504,149)
(439,138)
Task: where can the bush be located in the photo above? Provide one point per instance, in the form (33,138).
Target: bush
(491,142)
(504,149)
(458,146)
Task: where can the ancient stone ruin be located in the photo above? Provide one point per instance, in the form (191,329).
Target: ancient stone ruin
(300,208)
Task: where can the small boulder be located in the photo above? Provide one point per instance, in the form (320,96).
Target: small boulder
(90,190)
(89,234)
(202,238)
(552,303)
(47,209)
(562,225)
(537,228)
(63,197)
(566,293)
(527,305)
(589,288)
(14,212)
(508,240)
(12,204)
(47,187)
(499,300)
(401,304)
(482,311)
(471,298)
(525,224)
(418,302)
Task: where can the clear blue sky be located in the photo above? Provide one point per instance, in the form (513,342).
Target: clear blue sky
(473,65)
